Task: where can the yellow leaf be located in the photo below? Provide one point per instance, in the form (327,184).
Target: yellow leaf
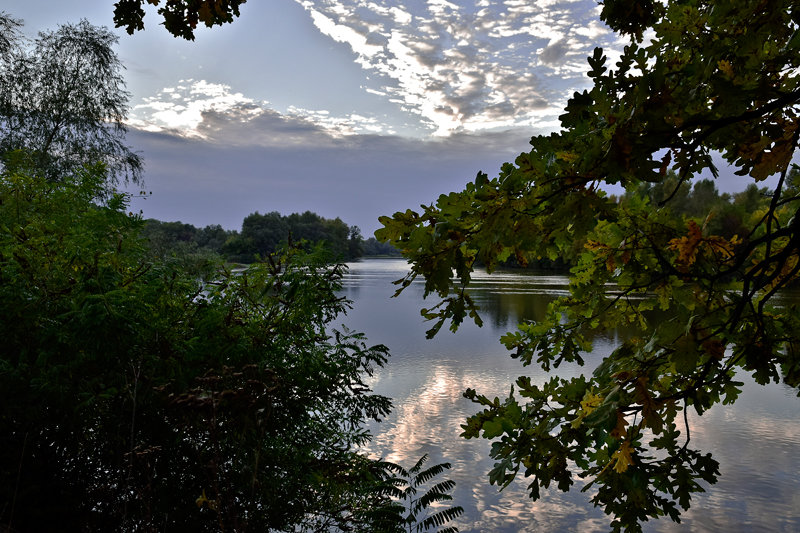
(687,246)
(726,68)
(772,155)
(595,245)
(589,403)
(623,458)
(569,157)
(773,161)
(202,499)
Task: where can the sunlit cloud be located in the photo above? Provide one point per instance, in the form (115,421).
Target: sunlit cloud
(469,66)
(180,109)
(210,111)
(451,67)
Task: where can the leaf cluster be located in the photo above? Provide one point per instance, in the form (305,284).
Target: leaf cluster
(180,17)
(418,503)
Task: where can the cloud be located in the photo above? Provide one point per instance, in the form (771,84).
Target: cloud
(452,67)
(468,66)
(214,112)
(554,53)
(181,108)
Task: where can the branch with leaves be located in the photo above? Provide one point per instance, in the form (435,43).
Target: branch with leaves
(699,302)
(180,17)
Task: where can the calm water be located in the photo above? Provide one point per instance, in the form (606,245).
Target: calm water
(756,441)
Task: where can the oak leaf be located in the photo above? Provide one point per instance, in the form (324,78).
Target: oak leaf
(622,457)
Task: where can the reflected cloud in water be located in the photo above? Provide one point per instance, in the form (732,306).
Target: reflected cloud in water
(756,441)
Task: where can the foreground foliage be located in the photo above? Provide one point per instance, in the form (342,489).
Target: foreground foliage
(695,79)
(137,396)
(180,17)
(418,499)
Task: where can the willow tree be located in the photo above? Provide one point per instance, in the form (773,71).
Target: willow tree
(696,82)
(63,101)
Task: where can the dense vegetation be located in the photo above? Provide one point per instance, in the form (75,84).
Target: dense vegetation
(727,215)
(140,393)
(696,279)
(162,391)
(130,387)
(261,235)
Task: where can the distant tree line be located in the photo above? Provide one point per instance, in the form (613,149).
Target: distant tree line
(723,214)
(262,235)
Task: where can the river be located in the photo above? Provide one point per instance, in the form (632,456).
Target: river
(756,441)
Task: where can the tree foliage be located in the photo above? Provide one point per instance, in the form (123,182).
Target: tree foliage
(180,17)
(696,80)
(263,234)
(63,100)
(194,248)
(9,33)
(136,395)
(372,247)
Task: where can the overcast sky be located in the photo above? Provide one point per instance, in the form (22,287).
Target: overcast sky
(352,109)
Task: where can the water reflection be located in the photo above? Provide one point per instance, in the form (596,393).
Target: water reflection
(756,441)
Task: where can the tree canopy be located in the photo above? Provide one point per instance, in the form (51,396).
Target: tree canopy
(696,81)
(63,100)
(180,17)
(263,234)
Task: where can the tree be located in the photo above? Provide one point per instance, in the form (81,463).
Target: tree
(180,16)
(63,100)
(137,395)
(9,33)
(373,247)
(711,78)
(263,234)
(355,243)
(212,237)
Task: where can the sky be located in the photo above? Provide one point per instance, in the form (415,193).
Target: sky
(348,108)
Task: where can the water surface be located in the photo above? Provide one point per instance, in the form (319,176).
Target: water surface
(756,441)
